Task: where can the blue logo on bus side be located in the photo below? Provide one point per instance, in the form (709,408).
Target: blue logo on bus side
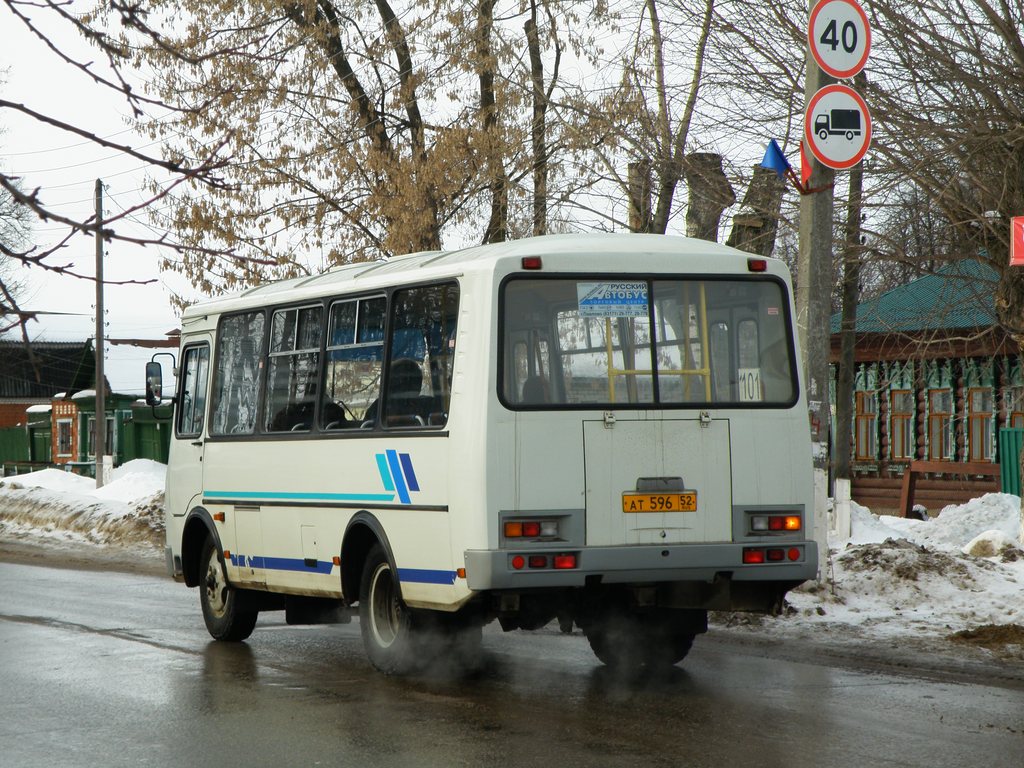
(397,474)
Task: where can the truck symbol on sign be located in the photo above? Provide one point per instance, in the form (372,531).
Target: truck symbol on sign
(838,122)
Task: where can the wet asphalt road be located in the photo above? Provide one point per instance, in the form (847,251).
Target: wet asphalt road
(114,669)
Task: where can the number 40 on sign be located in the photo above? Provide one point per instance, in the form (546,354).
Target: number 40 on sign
(839,37)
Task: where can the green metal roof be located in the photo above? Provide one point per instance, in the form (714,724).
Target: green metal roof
(959,295)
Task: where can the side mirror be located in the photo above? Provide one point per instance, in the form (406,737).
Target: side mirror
(154,383)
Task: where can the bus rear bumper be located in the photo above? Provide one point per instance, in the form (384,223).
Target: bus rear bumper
(643,564)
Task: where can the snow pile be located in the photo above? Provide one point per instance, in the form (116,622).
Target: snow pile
(58,505)
(953,573)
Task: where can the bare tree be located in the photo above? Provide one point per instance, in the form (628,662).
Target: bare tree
(15,229)
(639,128)
(108,67)
(358,130)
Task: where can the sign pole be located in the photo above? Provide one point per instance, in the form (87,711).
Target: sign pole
(814,272)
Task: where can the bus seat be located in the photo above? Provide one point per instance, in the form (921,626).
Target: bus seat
(293,417)
(333,416)
(535,391)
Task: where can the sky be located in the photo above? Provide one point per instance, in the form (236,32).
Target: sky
(66,168)
(892,579)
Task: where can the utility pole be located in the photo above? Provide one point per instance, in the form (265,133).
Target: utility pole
(814,278)
(100,422)
(814,291)
(838,44)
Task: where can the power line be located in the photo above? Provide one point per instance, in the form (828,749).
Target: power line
(61,149)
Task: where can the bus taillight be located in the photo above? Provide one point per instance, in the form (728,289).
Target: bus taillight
(530,529)
(561,561)
(775,523)
(753,556)
(760,555)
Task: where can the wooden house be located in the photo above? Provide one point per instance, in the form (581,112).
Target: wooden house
(48,408)
(33,375)
(936,379)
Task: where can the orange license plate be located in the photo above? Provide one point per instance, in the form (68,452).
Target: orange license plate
(685,501)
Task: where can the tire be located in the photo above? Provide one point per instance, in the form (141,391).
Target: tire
(223,607)
(385,621)
(631,641)
(823,134)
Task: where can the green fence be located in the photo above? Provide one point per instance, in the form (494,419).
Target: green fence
(1010,441)
(14,444)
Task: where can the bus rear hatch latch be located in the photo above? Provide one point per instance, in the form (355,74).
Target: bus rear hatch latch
(705,419)
(609,419)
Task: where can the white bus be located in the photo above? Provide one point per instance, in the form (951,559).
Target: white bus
(606,430)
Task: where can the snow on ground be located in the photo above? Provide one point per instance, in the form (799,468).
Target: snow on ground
(959,574)
(60,506)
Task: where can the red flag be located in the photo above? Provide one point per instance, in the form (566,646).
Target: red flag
(805,164)
(1017,241)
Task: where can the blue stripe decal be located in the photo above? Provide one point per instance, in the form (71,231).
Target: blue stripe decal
(323,567)
(410,476)
(286,496)
(396,475)
(422,576)
(385,472)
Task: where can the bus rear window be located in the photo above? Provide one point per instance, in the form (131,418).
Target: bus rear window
(646,343)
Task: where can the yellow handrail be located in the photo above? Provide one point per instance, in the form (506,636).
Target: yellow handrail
(705,354)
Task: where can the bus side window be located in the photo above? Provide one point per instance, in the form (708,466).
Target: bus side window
(535,388)
(720,356)
(293,370)
(353,363)
(422,334)
(236,376)
(195,370)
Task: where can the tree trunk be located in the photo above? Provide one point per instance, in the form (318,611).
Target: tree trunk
(755,226)
(710,194)
(673,148)
(848,336)
(497,224)
(538,126)
(640,196)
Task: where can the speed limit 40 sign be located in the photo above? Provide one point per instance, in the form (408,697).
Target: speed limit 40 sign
(839,37)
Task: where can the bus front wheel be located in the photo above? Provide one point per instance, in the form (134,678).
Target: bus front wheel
(385,621)
(223,611)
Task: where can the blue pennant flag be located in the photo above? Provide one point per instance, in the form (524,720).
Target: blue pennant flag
(775,160)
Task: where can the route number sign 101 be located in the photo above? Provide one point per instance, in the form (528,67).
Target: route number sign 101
(750,385)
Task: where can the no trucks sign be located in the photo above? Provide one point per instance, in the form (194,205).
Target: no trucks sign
(837,127)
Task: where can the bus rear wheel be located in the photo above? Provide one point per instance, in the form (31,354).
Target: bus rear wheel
(223,607)
(633,641)
(385,621)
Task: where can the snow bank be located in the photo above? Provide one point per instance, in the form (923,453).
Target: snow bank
(951,530)
(60,505)
(138,479)
(52,480)
(895,576)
